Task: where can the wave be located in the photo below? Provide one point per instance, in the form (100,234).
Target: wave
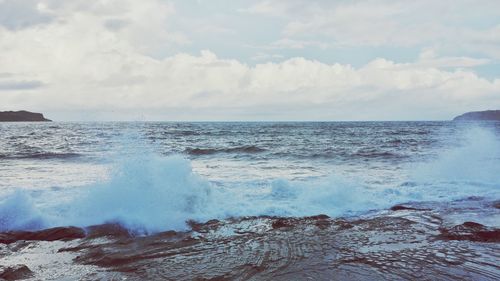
(477,159)
(364,154)
(148,193)
(17,211)
(374,153)
(144,192)
(238,149)
(41,155)
(153,134)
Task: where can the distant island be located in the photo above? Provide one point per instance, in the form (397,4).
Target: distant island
(22,116)
(487,115)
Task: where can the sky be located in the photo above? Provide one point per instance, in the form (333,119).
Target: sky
(213,60)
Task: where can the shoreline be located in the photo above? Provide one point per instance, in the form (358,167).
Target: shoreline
(407,241)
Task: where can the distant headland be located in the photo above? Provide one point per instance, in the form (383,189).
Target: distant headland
(22,116)
(487,115)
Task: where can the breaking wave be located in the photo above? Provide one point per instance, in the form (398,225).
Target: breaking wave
(150,193)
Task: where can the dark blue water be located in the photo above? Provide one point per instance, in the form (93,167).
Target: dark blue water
(158,174)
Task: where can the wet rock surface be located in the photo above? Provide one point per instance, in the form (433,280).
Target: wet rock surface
(51,234)
(471,231)
(426,241)
(15,272)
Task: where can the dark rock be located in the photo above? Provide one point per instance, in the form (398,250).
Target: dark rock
(21,116)
(319,217)
(372,248)
(343,225)
(57,233)
(7,238)
(404,245)
(323,224)
(51,234)
(321,221)
(472,225)
(203,227)
(471,231)
(407,208)
(15,272)
(282,222)
(109,229)
(167,234)
(496,204)
(401,208)
(488,115)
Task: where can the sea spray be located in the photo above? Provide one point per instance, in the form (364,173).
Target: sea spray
(148,192)
(144,191)
(17,211)
(471,168)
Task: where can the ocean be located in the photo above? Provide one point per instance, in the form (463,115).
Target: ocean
(156,176)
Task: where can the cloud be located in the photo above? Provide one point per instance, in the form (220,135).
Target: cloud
(145,24)
(429,58)
(284,90)
(18,14)
(123,56)
(452,26)
(19,85)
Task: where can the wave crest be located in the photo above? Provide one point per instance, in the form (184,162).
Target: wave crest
(149,193)
(239,149)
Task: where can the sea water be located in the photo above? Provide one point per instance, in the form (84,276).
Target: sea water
(155,176)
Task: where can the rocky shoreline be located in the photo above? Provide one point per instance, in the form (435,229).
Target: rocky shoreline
(412,241)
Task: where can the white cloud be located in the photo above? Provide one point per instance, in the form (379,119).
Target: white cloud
(18,14)
(101,56)
(203,82)
(461,25)
(429,58)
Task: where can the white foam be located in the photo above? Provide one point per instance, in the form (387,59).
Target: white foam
(473,168)
(17,211)
(147,192)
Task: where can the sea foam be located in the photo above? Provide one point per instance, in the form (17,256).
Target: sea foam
(147,192)
(17,211)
